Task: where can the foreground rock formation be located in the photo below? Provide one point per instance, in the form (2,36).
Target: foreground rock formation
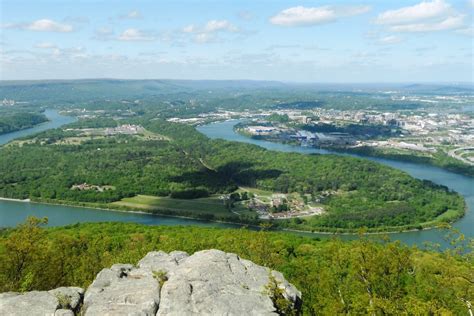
(209,282)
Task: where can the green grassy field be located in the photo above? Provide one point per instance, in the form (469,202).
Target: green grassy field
(255,191)
(447,216)
(210,205)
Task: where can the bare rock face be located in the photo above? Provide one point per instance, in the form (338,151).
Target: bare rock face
(213,282)
(159,260)
(209,282)
(123,290)
(61,301)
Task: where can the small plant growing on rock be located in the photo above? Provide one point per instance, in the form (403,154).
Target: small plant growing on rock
(63,300)
(161,276)
(282,305)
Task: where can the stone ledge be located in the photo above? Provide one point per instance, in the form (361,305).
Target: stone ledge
(210,282)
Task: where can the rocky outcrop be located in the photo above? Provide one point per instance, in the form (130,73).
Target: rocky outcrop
(60,301)
(209,282)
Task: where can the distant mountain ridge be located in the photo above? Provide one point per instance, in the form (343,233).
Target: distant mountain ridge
(87,89)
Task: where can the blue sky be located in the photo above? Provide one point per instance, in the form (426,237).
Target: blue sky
(303,41)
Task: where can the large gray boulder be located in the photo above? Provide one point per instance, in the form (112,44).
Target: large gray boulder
(41,303)
(161,261)
(212,282)
(209,282)
(123,290)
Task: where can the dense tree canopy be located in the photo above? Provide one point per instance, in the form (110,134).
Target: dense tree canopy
(10,122)
(358,277)
(185,164)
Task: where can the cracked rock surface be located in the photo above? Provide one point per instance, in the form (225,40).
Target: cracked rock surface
(210,282)
(60,301)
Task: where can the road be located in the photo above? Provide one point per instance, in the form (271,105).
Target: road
(453,153)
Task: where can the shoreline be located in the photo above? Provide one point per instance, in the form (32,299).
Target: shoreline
(138,212)
(355,234)
(410,158)
(241,225)
(393,230)
(27,127)
(15,200)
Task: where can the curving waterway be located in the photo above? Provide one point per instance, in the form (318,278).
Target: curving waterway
(459,183)
(13,213)
(55,120)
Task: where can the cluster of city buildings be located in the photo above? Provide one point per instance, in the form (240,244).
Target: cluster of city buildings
(282,206)
(420,131)
(306,138)
(203,118)
(423,131)
(91,114)
(126,129)
(7,102)
(420,147)
(261,130)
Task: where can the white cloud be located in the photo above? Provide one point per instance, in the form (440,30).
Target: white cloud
(133,15)
(134,35)
(72,53)
(45,45)
(208,32)
(388,40)
(471,3)
(189,29)
(426,16)
(204,38)
(46,25)
(449,23)
(219,25)
(128,35)
(211,27)
(304,16)
(419,12)
(43,25)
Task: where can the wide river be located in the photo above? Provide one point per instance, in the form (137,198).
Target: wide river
(12,213)
(462,184)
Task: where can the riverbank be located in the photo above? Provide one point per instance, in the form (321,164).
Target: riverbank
(439,159)
(85,205)
(448,163)
(255,225)
(15,200)
(453,181)
(35,120)
(12,213)
(434,224)
(54,120)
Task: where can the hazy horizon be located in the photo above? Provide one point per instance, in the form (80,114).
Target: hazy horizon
(254,80)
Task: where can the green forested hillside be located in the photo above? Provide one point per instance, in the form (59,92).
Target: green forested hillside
(14,121)
(357,278)
(178,161)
